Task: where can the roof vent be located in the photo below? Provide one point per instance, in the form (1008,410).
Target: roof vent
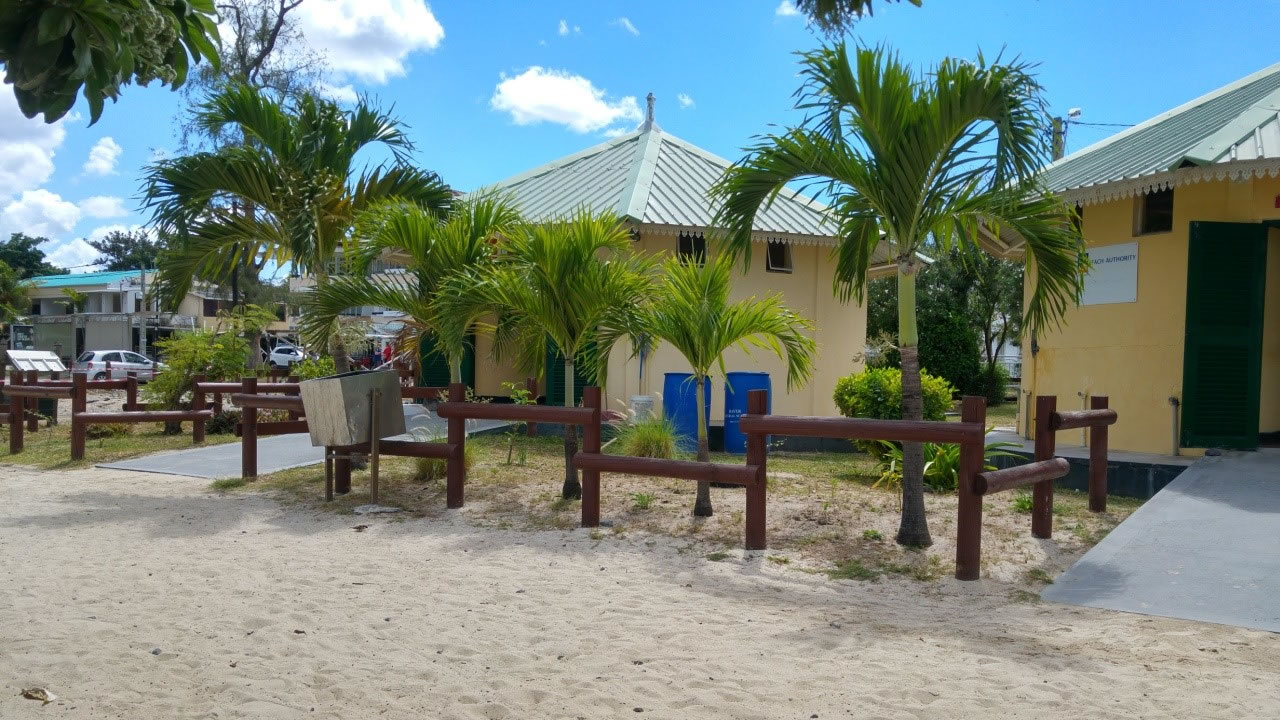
(649,122)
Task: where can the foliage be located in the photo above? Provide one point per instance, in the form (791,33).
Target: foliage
(51,49)
(691,311)
(1023,501)
(877,393)
(102,431)
(433,469)
(434,251)
(74,299)
(872,535)
(909,158)
(652,437)
(520,395)
(942,464)
(837,17)
(642,501)
(314,367)
(22,253)
(14,292)
(994,385)
(126,250)
(247,320)
(223,423)
(188,354)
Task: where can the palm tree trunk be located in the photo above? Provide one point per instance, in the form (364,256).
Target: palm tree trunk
(572,488)
(455,370)
(913,529)
(702,506)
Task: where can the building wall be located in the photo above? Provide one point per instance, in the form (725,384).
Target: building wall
(107,335)
(1132,352)
(49,335)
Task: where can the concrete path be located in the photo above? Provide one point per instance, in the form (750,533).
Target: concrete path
(1207,547)
(278,452)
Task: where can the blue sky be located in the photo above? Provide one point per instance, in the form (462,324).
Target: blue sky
(493,89)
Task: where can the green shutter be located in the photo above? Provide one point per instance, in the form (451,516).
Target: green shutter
(1222,362)
(435,366)
(555,378)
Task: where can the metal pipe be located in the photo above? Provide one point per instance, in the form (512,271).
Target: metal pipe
(1174,403)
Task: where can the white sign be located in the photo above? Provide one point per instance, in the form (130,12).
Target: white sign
(1114,275)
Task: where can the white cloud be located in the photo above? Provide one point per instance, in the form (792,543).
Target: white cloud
(786,8)
(563,28)
(103,230)
(614,132)
(27,148)
(557,96)
(103,206)
(75,255)
(685,100)
(369,39)
(340,93)
(626,24)
(103,156)
(39,212)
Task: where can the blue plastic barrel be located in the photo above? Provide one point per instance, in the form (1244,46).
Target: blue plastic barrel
(736,387)
(678,393)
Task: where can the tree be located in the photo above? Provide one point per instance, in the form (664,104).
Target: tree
(13,294)
(432,251)
(250,322)
(22,253)
(907,158)
(573,282)
(126,250)
(837,17)
(692,312)
(299,176)
(74,300)
(995,302)
(51,49)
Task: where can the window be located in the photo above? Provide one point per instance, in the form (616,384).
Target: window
(693,246)
(778,258)
(1155,212)
(210,307)
(85,357)
(113,357)
(135,358)
(116,302)
(35,307)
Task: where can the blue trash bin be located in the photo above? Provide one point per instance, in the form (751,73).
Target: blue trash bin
(678,392)
(736,387)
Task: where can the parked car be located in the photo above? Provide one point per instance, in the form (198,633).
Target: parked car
(284,356)
(123,362)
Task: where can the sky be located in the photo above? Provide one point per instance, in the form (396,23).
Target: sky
(492,89)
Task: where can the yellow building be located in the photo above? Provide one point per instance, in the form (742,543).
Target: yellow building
(1180,319)
(658,184)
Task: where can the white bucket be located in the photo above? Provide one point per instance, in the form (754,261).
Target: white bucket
(642,406)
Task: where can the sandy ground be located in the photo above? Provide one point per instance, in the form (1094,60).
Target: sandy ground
(265,611)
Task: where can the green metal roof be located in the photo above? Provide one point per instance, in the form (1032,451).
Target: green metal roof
(89,278)
(658,181)
(1238,123)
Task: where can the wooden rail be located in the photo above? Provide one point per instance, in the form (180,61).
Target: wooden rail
(994,481)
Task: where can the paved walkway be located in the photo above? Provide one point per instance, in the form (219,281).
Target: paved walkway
(278,452)
(1207,547)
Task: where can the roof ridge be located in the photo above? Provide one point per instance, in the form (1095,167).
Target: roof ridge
(635,193)
(1219,142)
(1156,120)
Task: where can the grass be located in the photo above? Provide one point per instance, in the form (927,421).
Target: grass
(231,483)
(853,570)
(718,556)
(1003,415)
(50,448)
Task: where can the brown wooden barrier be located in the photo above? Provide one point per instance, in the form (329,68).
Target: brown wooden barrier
(1098,418)
(81,420)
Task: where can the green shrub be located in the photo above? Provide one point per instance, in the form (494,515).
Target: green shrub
(104,431)
(219,357)
(995,384)
(877,393)
(651,437)
(313,368)
(224,423)
(642,501)
(949,348)
(432,469)
(941,464)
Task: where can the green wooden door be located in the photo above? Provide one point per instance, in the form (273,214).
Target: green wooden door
(555,378)
(435,366)
(1222,361)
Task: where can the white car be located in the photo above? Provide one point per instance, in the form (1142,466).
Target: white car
(123,362)
(284,356)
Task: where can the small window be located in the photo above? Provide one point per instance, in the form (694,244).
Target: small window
(210,307)
(116,301)
(35,307)
(693,246)
(779,257)
(1155,212)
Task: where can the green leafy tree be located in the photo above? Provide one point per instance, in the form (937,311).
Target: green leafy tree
(217,356)
(837,17)
(572,282)
(909,158)
(250,322)
(298,175)
(22,253)
(14,293)
(53,49)
(126,250)
(74,300)
(691,311)
(432,251)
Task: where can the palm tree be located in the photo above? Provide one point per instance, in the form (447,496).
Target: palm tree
(905,158)
(289,194)
(433,251)
(14,292)
(691,310)
(572,282)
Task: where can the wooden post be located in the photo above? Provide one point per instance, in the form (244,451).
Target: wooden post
(33,404)
(591,444)
(342,473)
(217,403)
(131,391)
(973,409)
(1098,458)
(293,414)
(17,407)
(531,384)
(197,403)
(53,419)
(456,474)
(249,432)
(79,402)
(1042,492)
(328,474)
(107,376)
(757,492)
(375,395)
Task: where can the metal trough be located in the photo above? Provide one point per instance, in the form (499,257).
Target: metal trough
(338,407)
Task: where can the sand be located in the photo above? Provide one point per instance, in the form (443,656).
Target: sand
(262,610)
